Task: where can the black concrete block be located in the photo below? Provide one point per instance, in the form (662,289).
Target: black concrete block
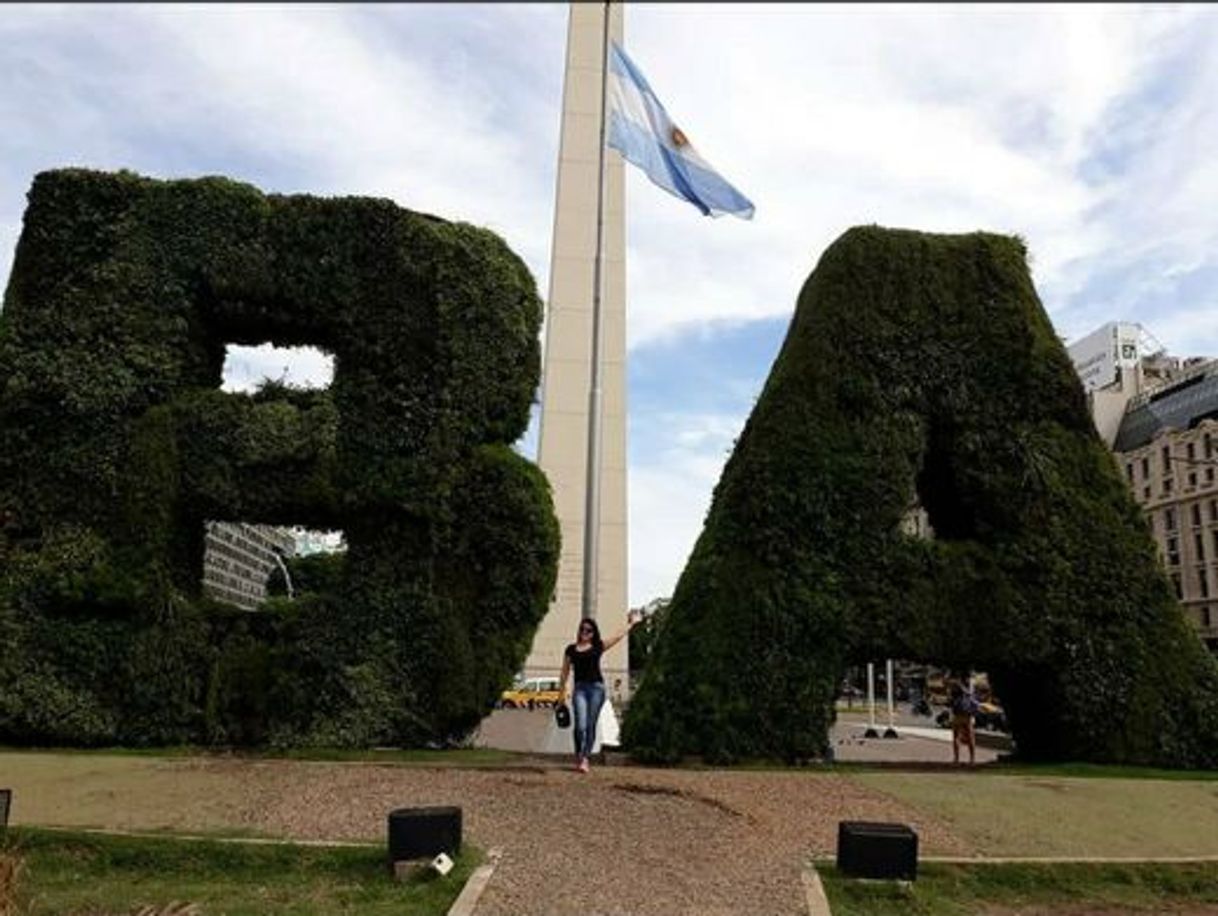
(423,833)
(877,850)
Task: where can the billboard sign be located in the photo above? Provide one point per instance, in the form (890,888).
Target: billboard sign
(1097,356)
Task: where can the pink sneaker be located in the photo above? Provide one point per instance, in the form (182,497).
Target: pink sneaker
(583,765)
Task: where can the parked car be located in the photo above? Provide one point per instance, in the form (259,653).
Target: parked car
(532,693)
(850,692)
(989,716)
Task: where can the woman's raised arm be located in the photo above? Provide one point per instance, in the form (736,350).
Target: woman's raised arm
(613,640)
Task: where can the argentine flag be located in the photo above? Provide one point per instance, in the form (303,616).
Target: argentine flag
(641,130)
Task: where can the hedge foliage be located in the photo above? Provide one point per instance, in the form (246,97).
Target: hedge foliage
(312,574)
(924,366)
(116,444)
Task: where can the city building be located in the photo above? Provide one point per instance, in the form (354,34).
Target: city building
(916,523)
(310,542)
(238,559)
(1116,363)
(1165,440)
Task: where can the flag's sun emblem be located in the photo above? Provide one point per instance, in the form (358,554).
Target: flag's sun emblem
(678,137)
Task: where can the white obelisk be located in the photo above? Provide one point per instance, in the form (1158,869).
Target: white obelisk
(584,213)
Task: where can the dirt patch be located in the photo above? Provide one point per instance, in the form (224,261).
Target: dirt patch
(11,867)
(1051,786)
(683,794)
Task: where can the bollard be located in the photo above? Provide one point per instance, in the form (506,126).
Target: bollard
(891,731)
(877,850)
(871,732)
(423,833)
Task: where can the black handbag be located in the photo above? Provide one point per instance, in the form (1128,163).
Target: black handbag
(562,715)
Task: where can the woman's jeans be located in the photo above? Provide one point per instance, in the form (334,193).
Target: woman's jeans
(587,702)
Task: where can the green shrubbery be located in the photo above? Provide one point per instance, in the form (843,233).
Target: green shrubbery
(924,366)
(116,445)
(313,574)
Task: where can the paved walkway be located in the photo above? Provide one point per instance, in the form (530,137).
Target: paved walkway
(533,731)
(915,744)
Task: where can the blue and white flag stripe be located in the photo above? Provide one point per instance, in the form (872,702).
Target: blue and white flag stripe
(641,130)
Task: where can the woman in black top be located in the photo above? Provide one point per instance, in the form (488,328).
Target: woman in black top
(583,657)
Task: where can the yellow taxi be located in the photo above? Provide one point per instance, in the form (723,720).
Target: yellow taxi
(532,693)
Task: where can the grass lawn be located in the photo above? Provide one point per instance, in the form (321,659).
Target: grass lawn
(457,757)
(968,890)
(74,873)
(1041,814)
(181,794)
(1099,771)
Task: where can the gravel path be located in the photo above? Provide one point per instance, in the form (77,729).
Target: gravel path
(618,840)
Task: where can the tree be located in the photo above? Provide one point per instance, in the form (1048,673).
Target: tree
(314,574)
(643,636)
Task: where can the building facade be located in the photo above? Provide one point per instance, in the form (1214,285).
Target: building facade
(309,542)
(1160,417)
(239,558)
(1115,366)
(1168,450)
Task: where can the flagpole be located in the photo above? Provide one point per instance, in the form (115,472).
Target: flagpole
(592,496)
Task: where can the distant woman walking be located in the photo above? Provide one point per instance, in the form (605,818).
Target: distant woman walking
(964,707)
(583,658)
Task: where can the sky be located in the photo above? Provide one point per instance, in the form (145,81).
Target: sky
(1087,130)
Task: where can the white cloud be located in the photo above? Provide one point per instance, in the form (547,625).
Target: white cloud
(1087,130)
(939,119)
(245,368)
(1190,331)
(306,93)
(670,490)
